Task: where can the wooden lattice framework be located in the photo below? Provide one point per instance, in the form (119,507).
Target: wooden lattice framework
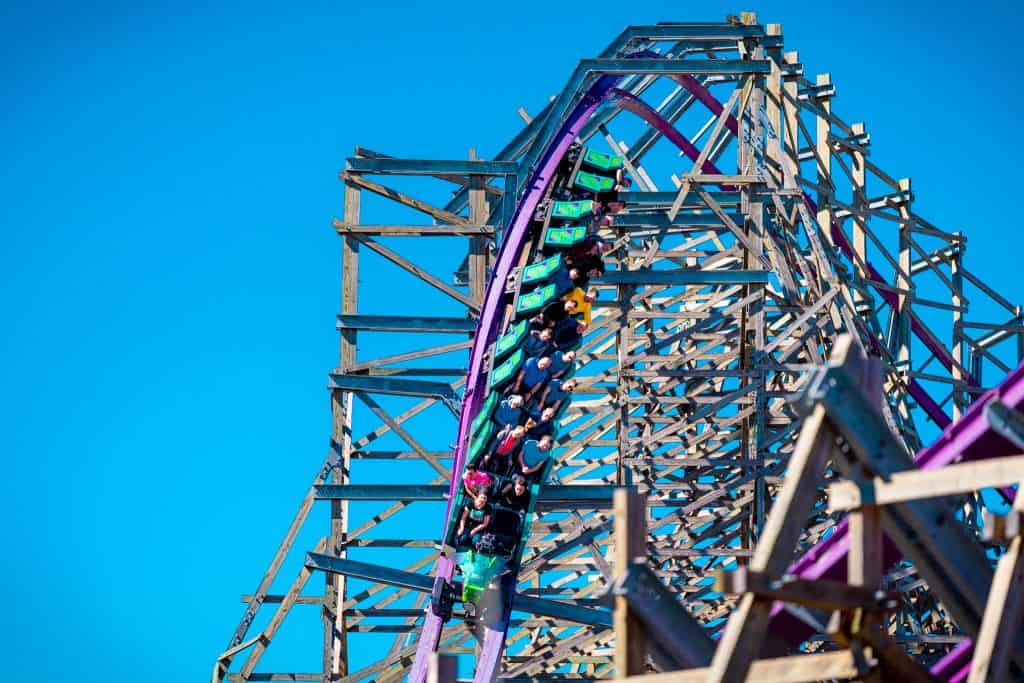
(733,274)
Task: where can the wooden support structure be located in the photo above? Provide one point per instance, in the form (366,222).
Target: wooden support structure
(744,255)
(1004,610)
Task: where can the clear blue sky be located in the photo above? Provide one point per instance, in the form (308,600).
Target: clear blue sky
(169,278)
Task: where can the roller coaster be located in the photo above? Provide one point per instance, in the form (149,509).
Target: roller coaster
(622,334)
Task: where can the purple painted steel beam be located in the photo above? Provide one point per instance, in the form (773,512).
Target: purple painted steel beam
(955,662)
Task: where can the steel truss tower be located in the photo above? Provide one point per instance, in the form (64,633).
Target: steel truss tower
(757,231)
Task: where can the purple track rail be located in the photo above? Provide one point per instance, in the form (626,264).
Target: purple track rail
(487,330)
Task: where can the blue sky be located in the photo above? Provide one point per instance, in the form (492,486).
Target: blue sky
(169,277)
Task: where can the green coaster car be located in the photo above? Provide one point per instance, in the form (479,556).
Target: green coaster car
(564,237)
(604,162)
(572,210)
(593,182)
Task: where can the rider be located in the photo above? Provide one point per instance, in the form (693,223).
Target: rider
(584,301)
(506,444)
(533,375)
(475,481)
(509,411)
(534,455)
(541,425)
(538,341)
(515,494)
(479,515)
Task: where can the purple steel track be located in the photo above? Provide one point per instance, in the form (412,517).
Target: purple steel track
(487,330)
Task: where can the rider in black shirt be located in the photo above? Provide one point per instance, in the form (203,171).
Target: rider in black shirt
(515,494)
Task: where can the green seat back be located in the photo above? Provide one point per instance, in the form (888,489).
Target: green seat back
(479,441)
(605,162)
(564,237)
(593,182)
(572,210)
(486,410)
(536,299)
(510,339)
(541,270)
(502,373)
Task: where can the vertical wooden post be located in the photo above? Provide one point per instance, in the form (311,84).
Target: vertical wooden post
(442,668)
(1019,319)
(865,558)
(900,339)
(790,112)
(623,342)
(478,215)
(1004,612)
(958,301)
(903,282)
(858,232)
(752,151)
(630,542)
(335,652)
(824,150)
(773,108)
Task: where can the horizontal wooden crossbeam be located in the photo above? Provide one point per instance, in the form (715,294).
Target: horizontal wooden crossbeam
(820,593)
(393,386)
(406,323)
(390,165)
(695,276)
(951,480)
(674,66)
(590,496)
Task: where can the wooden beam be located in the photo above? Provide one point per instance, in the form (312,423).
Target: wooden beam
(796,669)
(823,594)
(402,198)
(443,230)
(1004,611)
(951,480)
(630,543)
